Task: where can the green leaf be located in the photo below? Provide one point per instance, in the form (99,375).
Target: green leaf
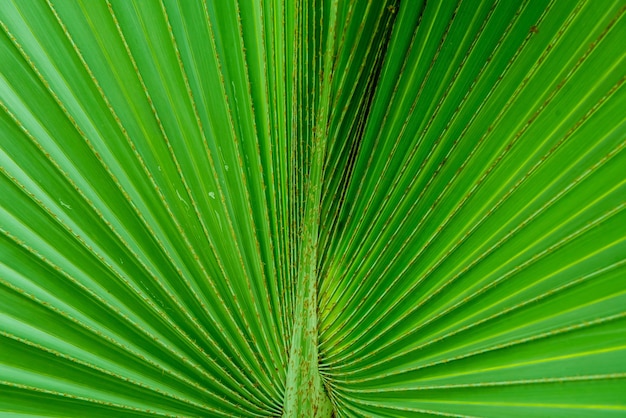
(312,208)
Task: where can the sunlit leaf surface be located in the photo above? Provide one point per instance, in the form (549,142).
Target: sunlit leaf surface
(306,208)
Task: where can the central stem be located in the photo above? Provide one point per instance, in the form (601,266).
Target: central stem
(305,395)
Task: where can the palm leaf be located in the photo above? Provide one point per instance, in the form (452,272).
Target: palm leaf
(312,208)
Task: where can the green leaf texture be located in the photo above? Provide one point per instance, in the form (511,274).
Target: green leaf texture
(316,208)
